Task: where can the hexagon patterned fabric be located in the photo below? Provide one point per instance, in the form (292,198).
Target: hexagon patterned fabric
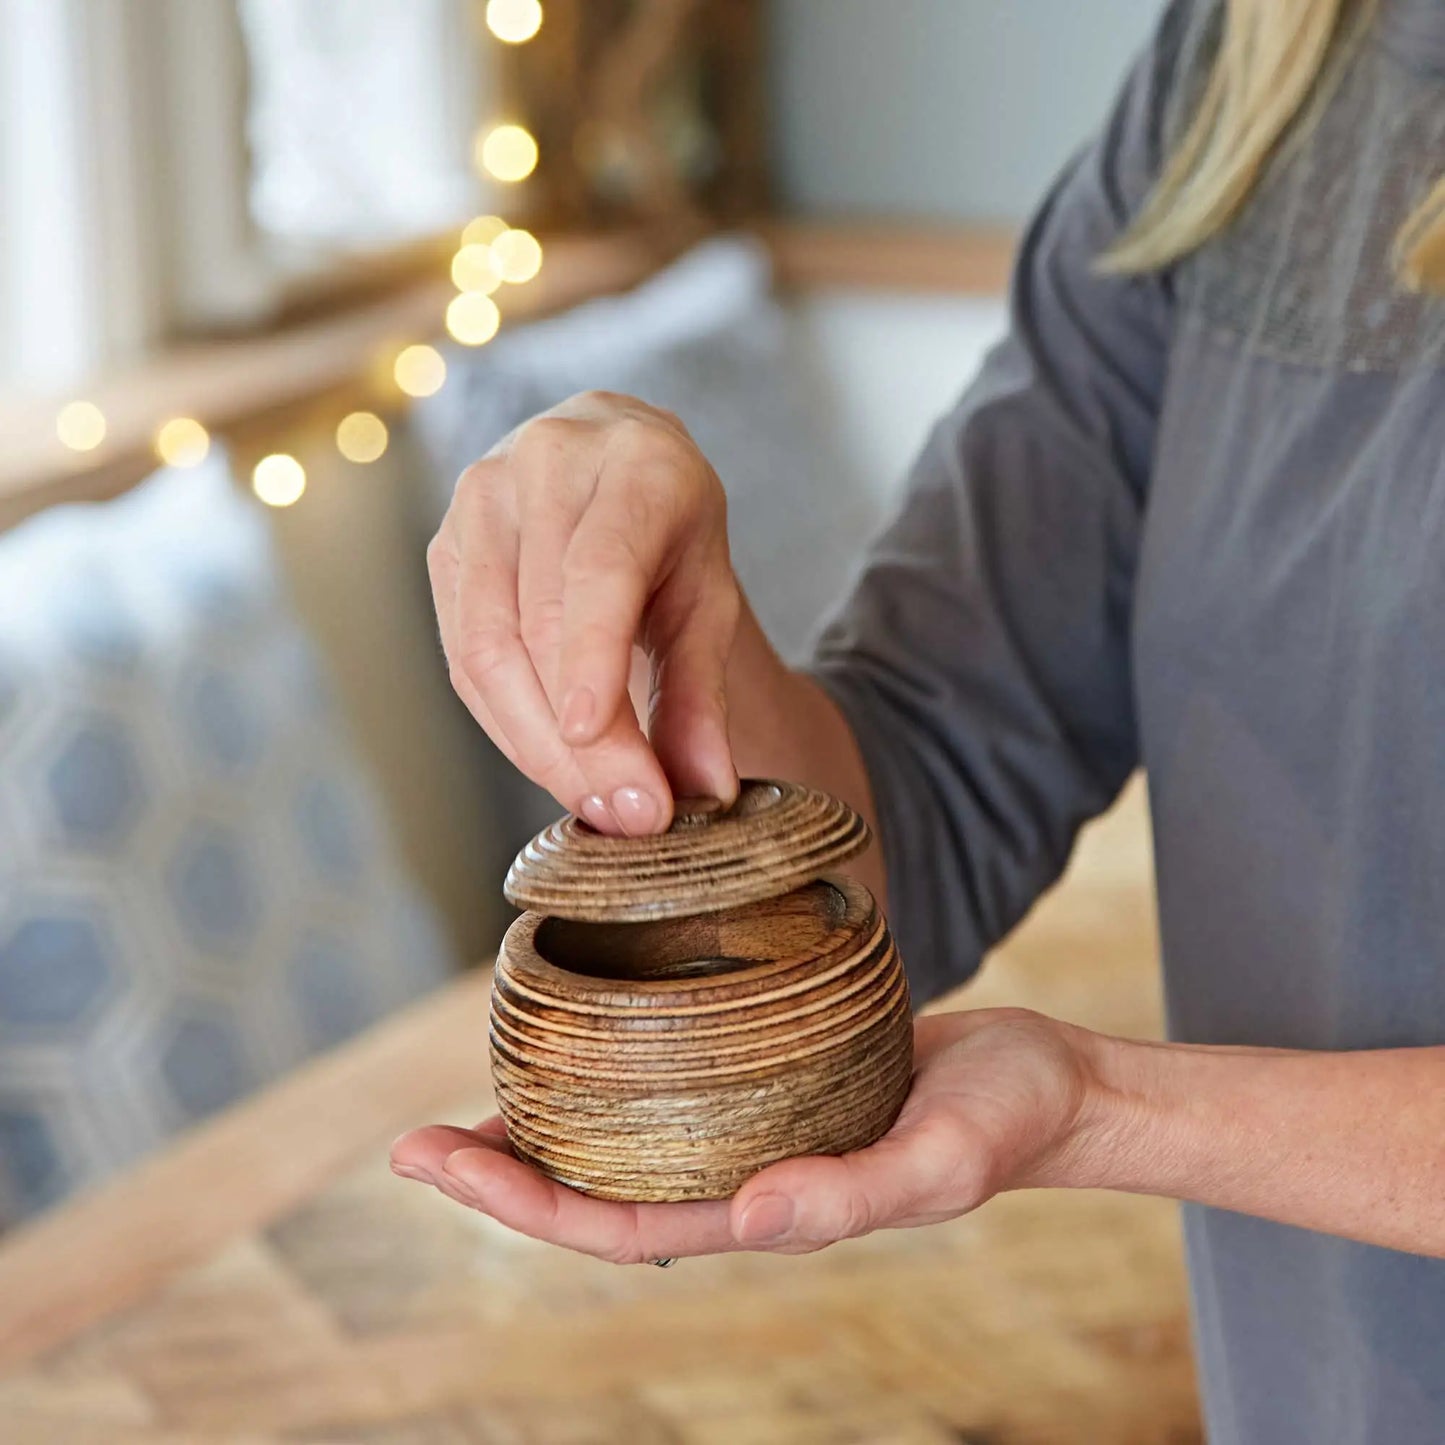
(197,888)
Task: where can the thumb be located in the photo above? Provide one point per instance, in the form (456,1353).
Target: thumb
(916,1174)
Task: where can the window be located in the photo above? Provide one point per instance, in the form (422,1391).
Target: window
(167,165)
(361,118)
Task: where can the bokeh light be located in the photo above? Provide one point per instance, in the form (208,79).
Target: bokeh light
(514,21)
(483,230)
(473,318)
(362,437)
(507,153)
(474,268)
(278,480)
(80,425)
(183,442)
(420,371)
(517,255)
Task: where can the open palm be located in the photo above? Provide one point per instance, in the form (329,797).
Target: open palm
(996,1094)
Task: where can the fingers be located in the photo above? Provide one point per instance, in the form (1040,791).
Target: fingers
(522,1199)
(588,528)
(688,723)
(650,559)
(425,1151)
(487,655)
(556,460)
(922,1172)
(477,1169)
(608,573)
(991,1090)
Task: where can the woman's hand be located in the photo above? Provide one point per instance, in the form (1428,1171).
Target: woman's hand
(998,1097)
(595,525)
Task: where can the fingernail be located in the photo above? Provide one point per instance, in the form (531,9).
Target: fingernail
(579,707)
(636,811)
(766,1220)
(598,814)
(407,1171)
(725,784)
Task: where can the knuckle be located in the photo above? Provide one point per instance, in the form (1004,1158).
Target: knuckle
(546,435)
(729,605)
(597,398)
(439,553)
(618,1254)
(805,1246)
(480,475)
(461,680)
(604,554)
(542,623)
(854,1218)
(637,433)
(623,1247)
(661,501)
(485,651)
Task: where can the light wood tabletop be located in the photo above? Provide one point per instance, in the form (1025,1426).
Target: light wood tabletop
(267,1280)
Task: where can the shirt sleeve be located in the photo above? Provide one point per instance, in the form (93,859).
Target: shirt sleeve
(983,658)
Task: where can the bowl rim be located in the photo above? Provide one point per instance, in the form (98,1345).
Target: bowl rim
(536,976)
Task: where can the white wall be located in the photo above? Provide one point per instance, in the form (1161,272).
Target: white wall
(957,109)
(882,366)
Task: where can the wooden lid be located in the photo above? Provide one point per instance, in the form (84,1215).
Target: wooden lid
(773,839)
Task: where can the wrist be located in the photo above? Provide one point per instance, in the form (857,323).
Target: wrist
(1119,1108)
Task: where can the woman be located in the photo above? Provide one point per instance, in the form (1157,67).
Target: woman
(1191,515)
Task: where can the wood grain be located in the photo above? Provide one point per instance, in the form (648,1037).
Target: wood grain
(673,1060)
(775,837)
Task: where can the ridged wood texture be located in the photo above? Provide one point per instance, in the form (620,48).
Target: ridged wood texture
(774,838)
(719,1045)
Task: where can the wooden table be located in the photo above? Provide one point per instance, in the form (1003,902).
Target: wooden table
(266,1279)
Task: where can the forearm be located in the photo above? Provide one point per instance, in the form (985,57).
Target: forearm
(783,725)
(1350,1144)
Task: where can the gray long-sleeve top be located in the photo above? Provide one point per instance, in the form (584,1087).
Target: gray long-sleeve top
(1197,521)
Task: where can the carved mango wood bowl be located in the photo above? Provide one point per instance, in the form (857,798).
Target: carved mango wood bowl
(671,1057)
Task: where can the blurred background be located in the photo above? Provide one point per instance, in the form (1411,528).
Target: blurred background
(271,273)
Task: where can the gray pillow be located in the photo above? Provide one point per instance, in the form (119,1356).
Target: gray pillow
(197,885)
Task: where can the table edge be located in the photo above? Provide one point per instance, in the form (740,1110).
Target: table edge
(113,1246)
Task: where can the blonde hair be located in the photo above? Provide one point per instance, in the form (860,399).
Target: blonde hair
(1275,56)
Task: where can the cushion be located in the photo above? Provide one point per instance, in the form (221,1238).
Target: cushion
(197,888)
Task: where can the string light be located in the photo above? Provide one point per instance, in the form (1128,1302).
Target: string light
(517,255)
(475,269)
(483,230)
(420,371)
(183,442)
(507,153)
(80,425)
(278,480)
(514,21)
(491,252)
(362,437)
(473,318)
